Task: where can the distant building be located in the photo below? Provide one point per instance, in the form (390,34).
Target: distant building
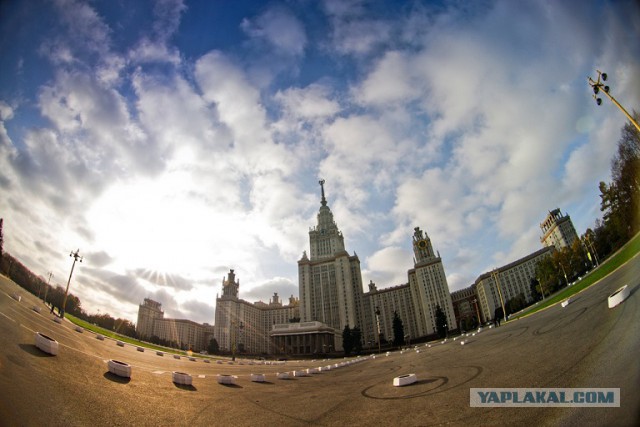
(396,299)
(513,279)
(429,286)
(466,307)
(185,333)
(557,230)
(243,327)
(148,312)
(305,338)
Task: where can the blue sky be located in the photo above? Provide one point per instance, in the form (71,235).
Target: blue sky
(171,141)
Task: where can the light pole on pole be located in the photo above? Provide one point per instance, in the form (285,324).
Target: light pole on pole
(598,86)
(495,273)
(378,324)
(76,257)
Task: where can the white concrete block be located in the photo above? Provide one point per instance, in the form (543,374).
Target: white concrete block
(120,369)
(403,380)
(181,378)
(283,375)
(46,344)
(618,296)
(258,378)
(227,379)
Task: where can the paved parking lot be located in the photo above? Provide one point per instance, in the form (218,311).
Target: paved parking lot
(585,344)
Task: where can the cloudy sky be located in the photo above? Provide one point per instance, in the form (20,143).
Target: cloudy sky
(170,141)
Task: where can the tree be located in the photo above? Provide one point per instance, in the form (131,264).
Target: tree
(213,347)
(535,289)
(441,322)
(516,303)
(356,340)
(398,330)
(620,200)
(347,341)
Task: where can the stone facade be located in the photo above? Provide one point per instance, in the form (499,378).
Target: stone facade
(243,327)
(557,230)
(186,333)
(508,282)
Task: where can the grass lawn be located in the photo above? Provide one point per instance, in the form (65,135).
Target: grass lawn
(627,252)
(123,338)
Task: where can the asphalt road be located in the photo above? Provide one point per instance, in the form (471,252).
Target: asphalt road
(585,344)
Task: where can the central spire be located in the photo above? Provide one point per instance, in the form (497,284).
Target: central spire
(323,200)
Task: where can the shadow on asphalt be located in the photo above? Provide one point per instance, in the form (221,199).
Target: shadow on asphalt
(419,382)
(185,387)
(35,351)
(231,385)
(116,378)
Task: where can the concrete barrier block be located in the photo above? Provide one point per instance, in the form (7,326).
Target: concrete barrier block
(181,378)
(403,380)
(618,296)
(227,379)
(258,378)
(46,344)
(119,368)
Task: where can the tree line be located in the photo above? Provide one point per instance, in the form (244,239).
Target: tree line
(54,297)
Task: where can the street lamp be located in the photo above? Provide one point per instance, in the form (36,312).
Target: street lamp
(541,288)
(598,87)
(378,323)
(565,274)
(76,256)
(495,273)
(40,288)
(590,245)
(475,301)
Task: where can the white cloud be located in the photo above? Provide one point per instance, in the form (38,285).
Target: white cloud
(280,28)
(388,267)
(312,102)
(353,31)
(389,82)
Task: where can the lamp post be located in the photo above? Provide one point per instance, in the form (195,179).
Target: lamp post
(76,256)
(46,291)
(541,288)
(565,274)
(495,274)
(590,245)
(378,324)
(475,302)
(598,87)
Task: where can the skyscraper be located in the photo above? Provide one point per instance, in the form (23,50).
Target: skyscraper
(429,287)
(330,280)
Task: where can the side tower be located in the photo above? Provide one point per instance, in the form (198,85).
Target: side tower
(428,283)
(557,230)
(229,312)
(148,312)
(330,280)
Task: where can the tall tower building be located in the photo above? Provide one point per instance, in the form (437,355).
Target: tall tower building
(428,284)
(330,280)
(557,230)
(148,312)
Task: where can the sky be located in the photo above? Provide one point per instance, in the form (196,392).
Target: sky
(171,141)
